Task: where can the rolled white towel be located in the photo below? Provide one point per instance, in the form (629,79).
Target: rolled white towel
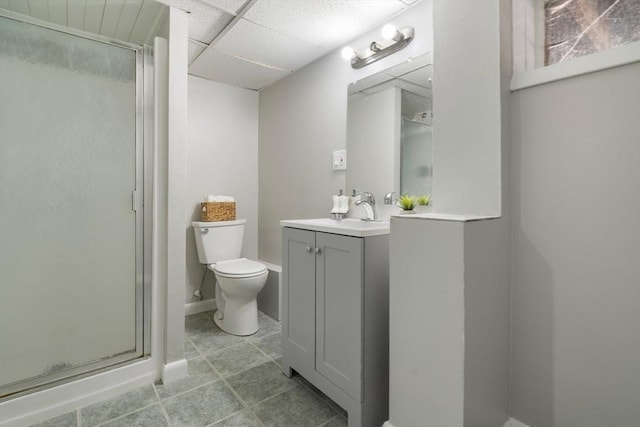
(225,199)
(209,198)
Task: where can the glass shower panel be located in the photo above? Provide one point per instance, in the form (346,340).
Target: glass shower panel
(67,227)
(416,158)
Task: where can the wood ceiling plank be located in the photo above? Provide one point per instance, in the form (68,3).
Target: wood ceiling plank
(20,6)
(39,9)
(111,17)
(94,13)
(75,13)
(57,12)
(128,18)
(147,23)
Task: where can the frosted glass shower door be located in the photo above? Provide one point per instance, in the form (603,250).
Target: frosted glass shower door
(416,158)
(69,255)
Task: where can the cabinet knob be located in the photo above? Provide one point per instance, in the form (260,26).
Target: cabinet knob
(308,248)
(316,250)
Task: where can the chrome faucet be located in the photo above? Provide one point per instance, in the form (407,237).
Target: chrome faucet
(368,202)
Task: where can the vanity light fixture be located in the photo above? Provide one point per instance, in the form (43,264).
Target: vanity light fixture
(394,40)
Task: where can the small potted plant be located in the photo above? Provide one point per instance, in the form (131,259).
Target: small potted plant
(407,203)
(424,202)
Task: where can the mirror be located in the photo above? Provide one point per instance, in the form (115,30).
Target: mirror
(389,123)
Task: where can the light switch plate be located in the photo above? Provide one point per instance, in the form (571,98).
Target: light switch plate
(340,160)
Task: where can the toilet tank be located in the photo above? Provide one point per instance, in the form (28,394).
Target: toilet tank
(218,240)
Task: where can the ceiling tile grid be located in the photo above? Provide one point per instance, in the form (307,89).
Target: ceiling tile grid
(242,37)
(323,23)
(229,6)
(289,34)
(252,41)
(233,71)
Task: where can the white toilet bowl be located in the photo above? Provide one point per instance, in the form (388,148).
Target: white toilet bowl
(238,282)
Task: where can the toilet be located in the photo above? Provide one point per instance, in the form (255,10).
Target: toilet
(238,280)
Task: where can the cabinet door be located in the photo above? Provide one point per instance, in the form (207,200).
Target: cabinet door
(298,298)
(339,277)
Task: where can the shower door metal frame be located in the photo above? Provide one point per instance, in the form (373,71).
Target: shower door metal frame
(141,203)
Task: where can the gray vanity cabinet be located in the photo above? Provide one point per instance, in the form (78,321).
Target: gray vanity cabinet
(335,318)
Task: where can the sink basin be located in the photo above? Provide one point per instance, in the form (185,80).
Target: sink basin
(348,226)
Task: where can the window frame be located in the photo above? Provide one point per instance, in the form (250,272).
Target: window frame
(528,51)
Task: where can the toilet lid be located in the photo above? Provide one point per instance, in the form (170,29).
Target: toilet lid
(239,267)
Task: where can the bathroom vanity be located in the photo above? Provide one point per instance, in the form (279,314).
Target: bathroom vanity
(335,312)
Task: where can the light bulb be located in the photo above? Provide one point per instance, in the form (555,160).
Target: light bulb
(389,32)
(348,52)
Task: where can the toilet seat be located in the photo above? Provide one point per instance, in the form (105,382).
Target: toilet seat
(239,268)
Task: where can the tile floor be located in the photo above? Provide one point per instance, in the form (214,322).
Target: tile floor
(233,381)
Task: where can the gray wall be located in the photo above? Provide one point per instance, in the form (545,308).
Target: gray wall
(303,118)
(487,292)
(576,255)
(222,158)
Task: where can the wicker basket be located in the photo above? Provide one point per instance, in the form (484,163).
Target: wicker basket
(217,211)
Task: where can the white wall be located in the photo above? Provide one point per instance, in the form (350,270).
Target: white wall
(302,120)
(222,158)
(576,236)
(467,110)
(449,322)
(176,185)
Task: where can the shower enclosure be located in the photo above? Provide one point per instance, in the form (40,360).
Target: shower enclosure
(74,281)
(416,157)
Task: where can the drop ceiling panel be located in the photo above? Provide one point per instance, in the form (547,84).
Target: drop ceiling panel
(206,28)
(195,49)
(252,41)
(323,23)
(220,67)
(229,6)
(205,21)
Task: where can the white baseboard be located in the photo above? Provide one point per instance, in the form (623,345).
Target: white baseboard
(199,306)
(48,403)
(174,371)
(512,422)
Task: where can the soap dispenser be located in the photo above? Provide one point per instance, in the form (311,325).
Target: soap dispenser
(340,205)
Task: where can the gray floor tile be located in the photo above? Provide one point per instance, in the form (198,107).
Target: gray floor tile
(200,373)
(244,418)
(271,345)
(214,340)
(260,382)
(338,421)
(147,417)
(297,407)
(266,326)
(69,419)
(117,406)
(322,396)
(202,406)
(236,358)
(198,323)
(190,351)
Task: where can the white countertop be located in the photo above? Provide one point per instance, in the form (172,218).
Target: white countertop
(445,217)
(348,226)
